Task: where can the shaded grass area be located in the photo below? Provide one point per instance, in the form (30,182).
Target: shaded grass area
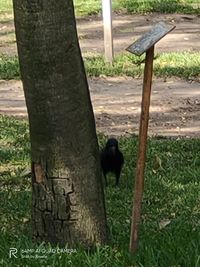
(184,65)
(171,194)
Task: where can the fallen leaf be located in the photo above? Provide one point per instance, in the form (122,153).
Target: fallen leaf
(25,220)
(157,163)
(164,223)
(26,172)
(169,154)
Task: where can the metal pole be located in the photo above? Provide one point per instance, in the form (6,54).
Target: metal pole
(107,24)
(140,167)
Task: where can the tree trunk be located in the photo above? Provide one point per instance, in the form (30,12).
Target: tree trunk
(68,201)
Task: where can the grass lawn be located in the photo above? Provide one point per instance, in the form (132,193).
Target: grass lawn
(6,11)
(90,7)
(170,230)
(184,65)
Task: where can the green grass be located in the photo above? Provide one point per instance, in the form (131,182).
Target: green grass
(91,7)
(6,10)
(184,65)
(167,6)
(9,67)
(6,5)
(171,193)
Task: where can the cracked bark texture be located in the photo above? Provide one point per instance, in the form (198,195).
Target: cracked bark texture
(67,198)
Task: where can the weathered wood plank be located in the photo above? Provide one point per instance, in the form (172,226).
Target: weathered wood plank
(140,166)
(150,38)
(107,24)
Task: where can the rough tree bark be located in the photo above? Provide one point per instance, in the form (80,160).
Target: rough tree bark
(68,202)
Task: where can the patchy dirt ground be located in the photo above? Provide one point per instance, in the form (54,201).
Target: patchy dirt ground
(175,106)
(126,29)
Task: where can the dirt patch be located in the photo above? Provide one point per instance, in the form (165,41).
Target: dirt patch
(175,105)
(174,111)
(126,29)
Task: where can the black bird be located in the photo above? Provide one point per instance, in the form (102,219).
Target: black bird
(112,159)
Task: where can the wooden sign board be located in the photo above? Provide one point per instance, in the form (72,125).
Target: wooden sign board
(150,38)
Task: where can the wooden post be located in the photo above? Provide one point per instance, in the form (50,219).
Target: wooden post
(140,167)
(107,24)
(146,44)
